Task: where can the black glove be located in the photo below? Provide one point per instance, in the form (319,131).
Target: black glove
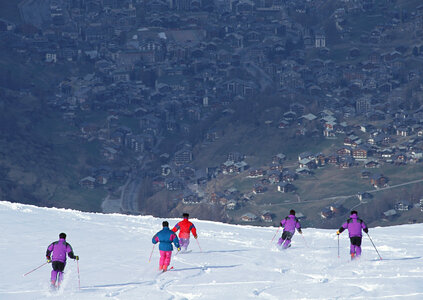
(366,230)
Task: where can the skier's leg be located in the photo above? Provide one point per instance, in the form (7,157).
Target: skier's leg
(287,236)
(53,277)
(286,244)
(60,279)
(358,246)
(352,248)
(168,256)
(162,259)
(183,243)
(280,241)
(282,238)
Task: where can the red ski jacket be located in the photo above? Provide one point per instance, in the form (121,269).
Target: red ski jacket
(185,227)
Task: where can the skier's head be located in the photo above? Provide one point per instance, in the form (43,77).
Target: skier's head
(292,212)
(185,215)
(165,224)
(62,235)
(353,212)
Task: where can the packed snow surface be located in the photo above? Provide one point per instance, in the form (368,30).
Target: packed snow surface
(228,262)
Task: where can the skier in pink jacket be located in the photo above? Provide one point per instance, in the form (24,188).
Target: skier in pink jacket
(289,224)
(59,249)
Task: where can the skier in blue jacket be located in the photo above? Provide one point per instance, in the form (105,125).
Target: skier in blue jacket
(165,237)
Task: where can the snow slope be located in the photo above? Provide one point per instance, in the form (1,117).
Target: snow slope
(236,262)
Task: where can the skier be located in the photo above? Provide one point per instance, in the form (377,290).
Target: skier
(289,224)
(165,237)
(185,228)
(354,226)
(59,249)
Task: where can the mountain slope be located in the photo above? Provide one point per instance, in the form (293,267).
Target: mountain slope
(236,262)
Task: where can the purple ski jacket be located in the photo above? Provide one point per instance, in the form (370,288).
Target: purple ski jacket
(290,223)
(60,248)
(354,226)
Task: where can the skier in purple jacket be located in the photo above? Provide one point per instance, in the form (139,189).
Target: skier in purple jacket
(59,249)
(289,224)
(354,226)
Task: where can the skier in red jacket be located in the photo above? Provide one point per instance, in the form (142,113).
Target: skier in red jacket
(185,227)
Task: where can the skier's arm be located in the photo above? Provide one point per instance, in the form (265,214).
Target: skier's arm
(69,250)
(298,226)
(283,222)
(193,230)
(176,228)
(342,228)
(49,250)
(174,239)
(155,239)
(364,226)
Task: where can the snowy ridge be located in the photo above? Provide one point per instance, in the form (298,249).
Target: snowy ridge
(237,262)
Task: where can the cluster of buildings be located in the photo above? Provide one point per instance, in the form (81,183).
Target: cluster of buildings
(158,68)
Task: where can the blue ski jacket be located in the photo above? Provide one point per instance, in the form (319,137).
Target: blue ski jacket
(166,237)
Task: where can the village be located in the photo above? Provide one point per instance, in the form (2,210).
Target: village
(157,69)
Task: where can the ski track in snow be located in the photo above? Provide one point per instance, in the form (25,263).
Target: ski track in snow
(237,262)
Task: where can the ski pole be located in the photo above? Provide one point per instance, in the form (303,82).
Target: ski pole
(338,245)
(198,243)
(151,254)
(79,278)
(374,246)
(275,234)
(35,269)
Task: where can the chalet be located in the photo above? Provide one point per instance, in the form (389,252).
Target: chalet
(174,184)
(307,163)
(364,196)
(344,151)
(336,208)
(88,182)
(365,174)
(402,205)
(399,159)
(109,153)
(346,162)
(166,170)
(333,159)
(359,153)
(320,160)
(248,217)
(256,173)
(289,176)
(278,158)
(267,217)
(191,199)
(259,189)
(240,166)
(303,171)
(286,187)
(372,164)
(305,155)
(326,213)
(231,205)
(390,213)
(378,180)
(228,167)
(403,131)
(183,156)
(187,172)
(274,176)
